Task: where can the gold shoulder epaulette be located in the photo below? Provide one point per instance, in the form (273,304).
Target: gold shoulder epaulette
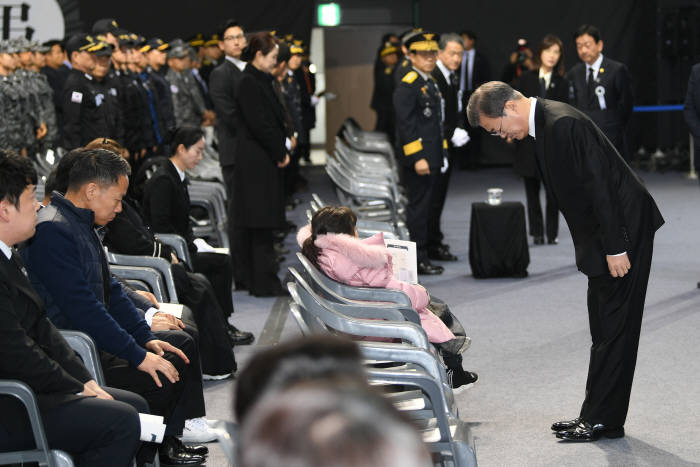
(410,77)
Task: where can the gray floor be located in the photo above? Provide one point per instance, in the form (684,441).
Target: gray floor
(530,339)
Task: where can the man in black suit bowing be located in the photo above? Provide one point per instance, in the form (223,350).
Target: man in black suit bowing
(600,87)
(223,84)
(78,415)
(612,219)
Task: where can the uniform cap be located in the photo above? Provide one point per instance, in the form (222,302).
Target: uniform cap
(423,42)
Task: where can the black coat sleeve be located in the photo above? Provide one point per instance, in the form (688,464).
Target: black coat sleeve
(591,162)
(222,93)
(46,363)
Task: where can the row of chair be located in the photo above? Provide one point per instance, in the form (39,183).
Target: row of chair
(364,171)
(404,363)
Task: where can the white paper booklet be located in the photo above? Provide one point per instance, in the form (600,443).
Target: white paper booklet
(403,257)
(174,309)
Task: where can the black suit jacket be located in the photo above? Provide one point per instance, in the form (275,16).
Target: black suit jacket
(31,348)
(453,119)
(223,85)
(481,73)
(605,204)
(525,164)
(166,204)
(614,79)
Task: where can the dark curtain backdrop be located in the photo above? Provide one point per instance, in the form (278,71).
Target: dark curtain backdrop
(627,28)
(169,19)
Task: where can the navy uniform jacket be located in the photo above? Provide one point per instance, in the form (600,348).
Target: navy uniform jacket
(418,107)
(83,110)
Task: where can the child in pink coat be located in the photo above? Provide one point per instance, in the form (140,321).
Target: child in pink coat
(330,242)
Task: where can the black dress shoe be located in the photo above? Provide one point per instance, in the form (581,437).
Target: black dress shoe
(553,241)
(565,424)
(196,449)
(172,454)
(585,432)
(425,267)
(539,240)
(239,337)
(441,254)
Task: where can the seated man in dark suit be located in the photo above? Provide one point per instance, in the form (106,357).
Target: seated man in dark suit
(68,268)
(97,426)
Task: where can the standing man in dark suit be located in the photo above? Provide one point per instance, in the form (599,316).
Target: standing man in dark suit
(612,219)
(223,84)
(421,148)
(600,87)
(546,81)
(98,426)
(691,110)
(445,75)
(474,70)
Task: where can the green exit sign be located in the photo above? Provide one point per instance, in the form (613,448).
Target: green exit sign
(328,14)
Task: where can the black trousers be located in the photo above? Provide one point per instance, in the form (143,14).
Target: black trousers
(219,270)
(93,431)
(435,234)
(215,349)
(615,307)
(257,257)
(420,190)
(534,210)
(228,173)
(174,402)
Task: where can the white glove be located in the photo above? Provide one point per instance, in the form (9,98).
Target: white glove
(445,165)
(460,137)
(288,144)
(314,100)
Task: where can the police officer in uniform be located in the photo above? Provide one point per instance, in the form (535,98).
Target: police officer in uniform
(84,116)
(600,87)
(421,146)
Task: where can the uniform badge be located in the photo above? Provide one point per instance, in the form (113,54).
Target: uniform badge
(113,91)
(427,112)
(99,98)
(76,97)
(173,89)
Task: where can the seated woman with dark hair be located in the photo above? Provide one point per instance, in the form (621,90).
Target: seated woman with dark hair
(166,207)
(331,243)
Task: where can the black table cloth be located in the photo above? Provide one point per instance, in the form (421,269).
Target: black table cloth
(498,240)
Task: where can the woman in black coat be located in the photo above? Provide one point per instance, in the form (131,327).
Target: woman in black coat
(166,207)
(261,153)
(546,81)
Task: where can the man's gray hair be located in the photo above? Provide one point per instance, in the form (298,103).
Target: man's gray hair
(489,100)
(450,37)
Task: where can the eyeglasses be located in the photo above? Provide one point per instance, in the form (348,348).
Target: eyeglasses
(500,128)
(237,37)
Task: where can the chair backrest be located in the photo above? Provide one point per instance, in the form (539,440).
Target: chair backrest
(87,349)
(343,293)
(150,276)
(352,319)
(42,453)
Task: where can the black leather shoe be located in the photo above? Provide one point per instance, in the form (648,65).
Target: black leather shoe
(553,241)
(441,254)
(585,432)
(565,424)
(196,449)
(539,240)
(239,337)
(172,454)
(425,267)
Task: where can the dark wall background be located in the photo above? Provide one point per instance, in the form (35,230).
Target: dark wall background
(169,19)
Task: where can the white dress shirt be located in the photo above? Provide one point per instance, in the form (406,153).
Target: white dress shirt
(7,251)
(240,64)
(595,66)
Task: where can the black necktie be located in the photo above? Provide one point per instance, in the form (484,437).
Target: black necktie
(543,88)
(453,79)
(17,259)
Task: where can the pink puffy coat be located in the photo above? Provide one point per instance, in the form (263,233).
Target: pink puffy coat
(367,263)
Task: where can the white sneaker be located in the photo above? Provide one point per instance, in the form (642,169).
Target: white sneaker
(196,430)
